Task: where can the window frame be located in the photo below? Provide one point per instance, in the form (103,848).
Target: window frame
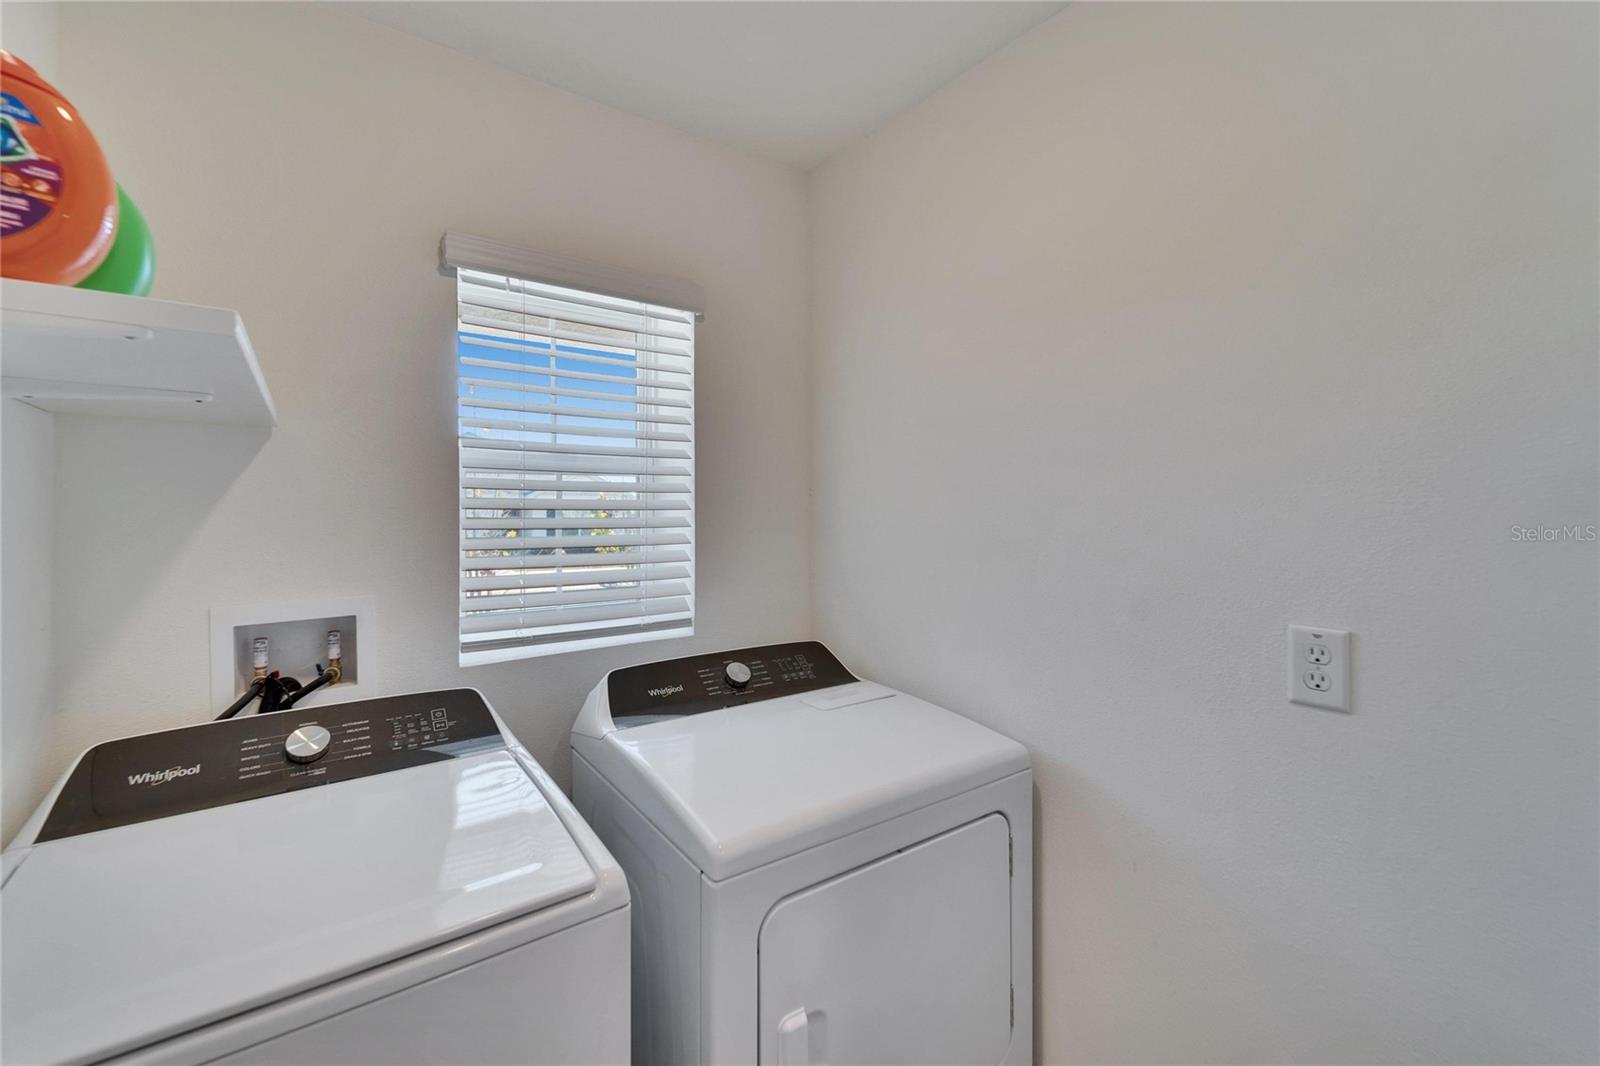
(674,510)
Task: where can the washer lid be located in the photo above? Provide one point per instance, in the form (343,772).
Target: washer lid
(737,788)
(121,937)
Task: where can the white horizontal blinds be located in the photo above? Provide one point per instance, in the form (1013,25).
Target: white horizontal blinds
(577,465)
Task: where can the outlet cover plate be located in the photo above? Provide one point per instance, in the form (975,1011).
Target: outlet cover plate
(1319,667)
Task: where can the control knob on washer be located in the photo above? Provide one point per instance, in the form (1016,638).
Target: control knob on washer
(307,744)
(736,674)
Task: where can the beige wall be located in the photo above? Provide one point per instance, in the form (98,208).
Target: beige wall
(1167,327)
(27,506)
(300,165)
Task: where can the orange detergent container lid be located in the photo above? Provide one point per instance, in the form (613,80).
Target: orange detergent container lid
(58,201)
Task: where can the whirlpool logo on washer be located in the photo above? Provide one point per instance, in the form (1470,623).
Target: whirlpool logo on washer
(666,690)
(161,777)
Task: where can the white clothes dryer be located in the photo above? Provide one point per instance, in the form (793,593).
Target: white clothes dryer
(823,869)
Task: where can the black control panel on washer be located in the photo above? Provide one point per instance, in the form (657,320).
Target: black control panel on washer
(157,775)
(724,679)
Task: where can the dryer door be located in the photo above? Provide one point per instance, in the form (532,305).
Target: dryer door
(905,960)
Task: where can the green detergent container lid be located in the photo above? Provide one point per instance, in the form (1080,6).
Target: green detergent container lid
(130,266)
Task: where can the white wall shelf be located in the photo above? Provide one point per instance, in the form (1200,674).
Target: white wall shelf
(84,352)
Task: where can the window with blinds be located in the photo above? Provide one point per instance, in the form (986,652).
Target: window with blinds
(577,468)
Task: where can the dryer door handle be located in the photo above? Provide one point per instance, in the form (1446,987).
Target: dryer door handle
(794,1039)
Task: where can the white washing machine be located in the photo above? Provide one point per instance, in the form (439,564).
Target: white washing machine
(383,881)
(823,869)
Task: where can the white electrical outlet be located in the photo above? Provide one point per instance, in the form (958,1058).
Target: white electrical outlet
(1319,667)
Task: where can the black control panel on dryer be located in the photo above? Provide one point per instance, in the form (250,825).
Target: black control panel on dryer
(724,679)
(158,775)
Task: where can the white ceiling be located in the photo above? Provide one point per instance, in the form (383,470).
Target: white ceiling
(793,80)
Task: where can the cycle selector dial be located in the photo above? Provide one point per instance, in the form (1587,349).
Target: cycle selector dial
(736,674)
(307,744)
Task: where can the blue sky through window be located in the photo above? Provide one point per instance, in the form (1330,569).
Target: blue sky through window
(536,355)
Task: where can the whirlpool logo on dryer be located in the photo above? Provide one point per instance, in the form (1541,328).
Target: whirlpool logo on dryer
(161,777)
(666,690)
